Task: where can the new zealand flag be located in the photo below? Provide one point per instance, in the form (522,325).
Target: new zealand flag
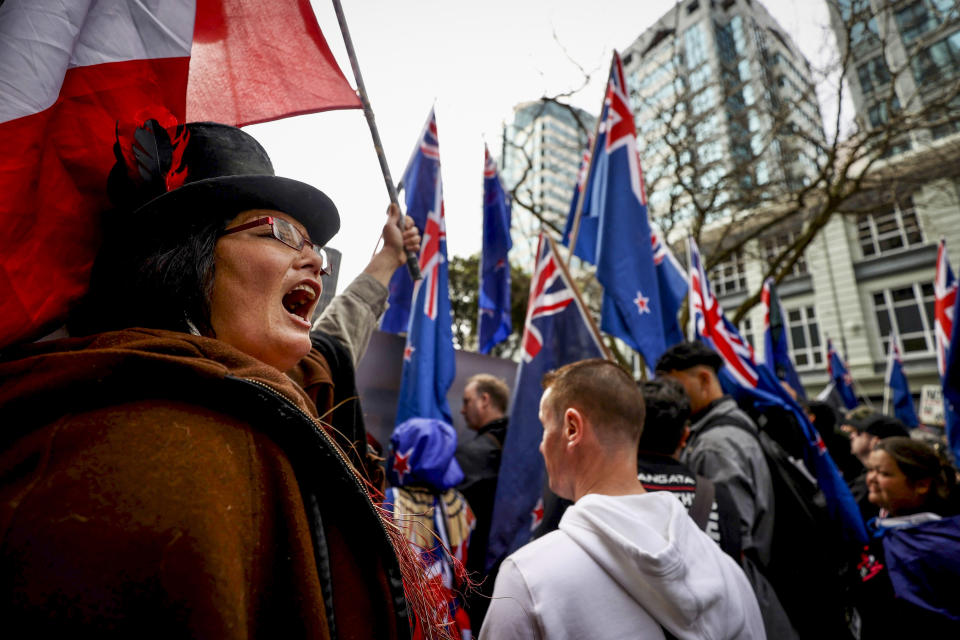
(897,383)
(428,359)
(556,332)
(494,301)
(757,387)
(586,248)
(631,307)
(776,355)
(840,376)
(420,183)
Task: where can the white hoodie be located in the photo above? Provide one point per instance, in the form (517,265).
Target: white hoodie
(620,567)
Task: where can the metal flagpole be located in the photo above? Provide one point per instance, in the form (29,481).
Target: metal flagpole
(575,230)
(412,264)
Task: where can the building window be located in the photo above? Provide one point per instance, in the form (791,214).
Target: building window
(772,246)
(729,276)
(873,74)
(919,18)
(694,47)
(939,61)
(888,231)
(879,114)
(804,337)
(908,313)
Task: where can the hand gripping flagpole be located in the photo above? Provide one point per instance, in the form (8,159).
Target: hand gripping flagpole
(575,231)
(413,265)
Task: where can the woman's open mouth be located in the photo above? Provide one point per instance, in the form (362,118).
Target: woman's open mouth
(299,300)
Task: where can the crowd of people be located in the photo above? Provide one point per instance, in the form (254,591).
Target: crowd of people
(192,462)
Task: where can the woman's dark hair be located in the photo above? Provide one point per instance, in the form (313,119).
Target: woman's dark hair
(919,461)
(156,277)
(668,410)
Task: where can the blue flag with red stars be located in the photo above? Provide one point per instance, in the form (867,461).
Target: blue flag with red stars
(631,308)
(756,386)
(556,332)
(896,379)
(840,376)
(586,248)
(428,358)
(494,300)
(418,183)
(776,355)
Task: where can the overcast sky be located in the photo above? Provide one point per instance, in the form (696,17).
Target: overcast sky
(474,61)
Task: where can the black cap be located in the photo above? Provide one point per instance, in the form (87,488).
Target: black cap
(884,426)
(227,172)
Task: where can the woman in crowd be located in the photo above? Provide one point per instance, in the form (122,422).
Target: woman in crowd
(912,567)
(160,475)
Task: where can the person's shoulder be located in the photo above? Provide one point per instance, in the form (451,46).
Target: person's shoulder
(548,555)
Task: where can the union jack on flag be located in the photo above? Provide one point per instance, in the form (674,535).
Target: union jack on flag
(429,366)
(758,388)
(712,326)
(543,301)
(945,295)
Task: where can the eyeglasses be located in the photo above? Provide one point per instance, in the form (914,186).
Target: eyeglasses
(288,235)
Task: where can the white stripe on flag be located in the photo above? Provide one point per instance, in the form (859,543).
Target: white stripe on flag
(36,38)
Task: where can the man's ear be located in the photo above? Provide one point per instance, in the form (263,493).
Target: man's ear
(704,376)
(572,426)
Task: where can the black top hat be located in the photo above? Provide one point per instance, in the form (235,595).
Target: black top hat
(227,172)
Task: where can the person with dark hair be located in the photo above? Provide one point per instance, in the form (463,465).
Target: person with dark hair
(624,563)
(866,429)
(725,452)
(910,581)
(484,411)
(159,470)
(826,421)
(666,429)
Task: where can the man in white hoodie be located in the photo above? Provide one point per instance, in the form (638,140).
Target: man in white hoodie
(624,563)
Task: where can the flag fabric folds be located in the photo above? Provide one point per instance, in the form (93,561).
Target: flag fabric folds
(840,376)
(673,285)
(776,354)
(945,295)
(631,308)
(756,386)
(945,312)
(428,358)
(73,72)
(556,332)
(951,381)
(418,183)
(256,60)
(896,381)
(494,298)
(586,248)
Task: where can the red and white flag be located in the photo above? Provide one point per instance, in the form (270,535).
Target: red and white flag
(72,72)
